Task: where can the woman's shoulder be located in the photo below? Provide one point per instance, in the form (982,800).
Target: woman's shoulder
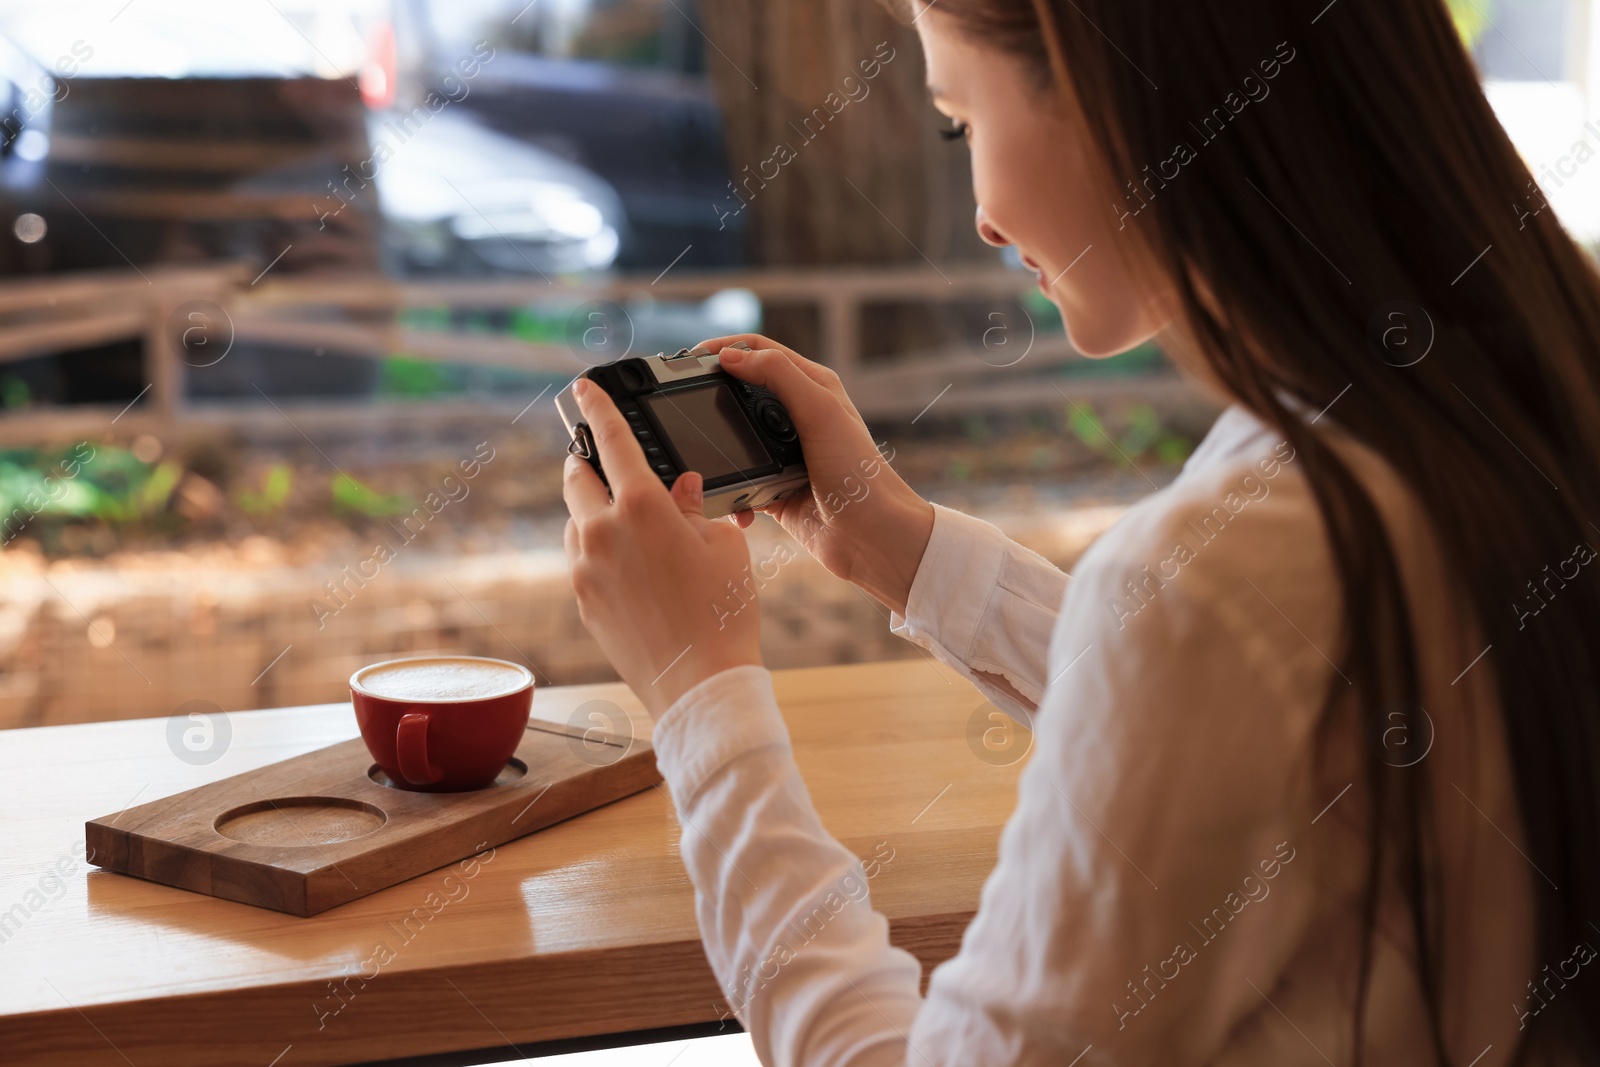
(1245,477)
(1229,561)
(1191,662)
(1241,507)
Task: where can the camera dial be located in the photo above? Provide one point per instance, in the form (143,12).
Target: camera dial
(776,420)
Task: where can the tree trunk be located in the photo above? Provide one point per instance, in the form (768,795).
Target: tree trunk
(835,154)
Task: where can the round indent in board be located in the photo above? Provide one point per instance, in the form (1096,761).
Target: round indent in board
(299,822)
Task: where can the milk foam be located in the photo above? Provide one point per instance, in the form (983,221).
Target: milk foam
(442,679)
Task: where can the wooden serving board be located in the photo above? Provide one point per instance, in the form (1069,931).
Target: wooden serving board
(309,833)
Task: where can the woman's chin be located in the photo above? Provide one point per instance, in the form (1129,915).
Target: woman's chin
(1100,343)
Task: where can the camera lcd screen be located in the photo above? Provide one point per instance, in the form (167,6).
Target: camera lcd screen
(710,430)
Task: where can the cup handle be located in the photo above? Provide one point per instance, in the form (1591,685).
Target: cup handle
(411,748)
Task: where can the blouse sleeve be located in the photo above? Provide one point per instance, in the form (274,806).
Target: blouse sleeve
(783,909)
(983,604)
(1157,873)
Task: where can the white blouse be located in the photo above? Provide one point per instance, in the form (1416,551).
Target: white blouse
(1181,881)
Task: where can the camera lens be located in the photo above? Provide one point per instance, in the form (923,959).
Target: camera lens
(776,420)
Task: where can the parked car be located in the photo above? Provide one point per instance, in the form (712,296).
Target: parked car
(187,133)
(459,198)
(618,87)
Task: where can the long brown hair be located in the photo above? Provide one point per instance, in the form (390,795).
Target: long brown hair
(1378,191)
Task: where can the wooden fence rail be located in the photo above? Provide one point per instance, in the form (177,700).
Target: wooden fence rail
(364,315)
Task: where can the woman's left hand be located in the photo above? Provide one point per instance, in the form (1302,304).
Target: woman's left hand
(653,575)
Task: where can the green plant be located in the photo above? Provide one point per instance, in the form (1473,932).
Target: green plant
(157,489)
(275,487)
(33,483)
(106,483)
(14,393)
(351,495)
(124,489)
(1145,436)
(1471,18)
(406,376)
(529,324)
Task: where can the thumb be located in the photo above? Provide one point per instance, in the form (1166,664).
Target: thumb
(688,492)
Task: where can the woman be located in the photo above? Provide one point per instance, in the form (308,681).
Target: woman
(1314,773)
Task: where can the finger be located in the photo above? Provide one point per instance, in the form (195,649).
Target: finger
(569,540)
(753,340)
(816,372)
(808,401)
(813,370)
(688,492)
(743,519)
(582,489)
(620,454)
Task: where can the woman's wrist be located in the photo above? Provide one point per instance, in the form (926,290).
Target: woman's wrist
(691,669)
(889,553)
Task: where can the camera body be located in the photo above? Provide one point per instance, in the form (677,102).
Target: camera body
(689,414)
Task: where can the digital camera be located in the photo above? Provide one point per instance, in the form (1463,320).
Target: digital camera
(689,414)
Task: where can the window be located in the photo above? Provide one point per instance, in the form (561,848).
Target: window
(638,33)
(1540,61)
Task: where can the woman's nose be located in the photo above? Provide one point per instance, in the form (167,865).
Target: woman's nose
(987,231)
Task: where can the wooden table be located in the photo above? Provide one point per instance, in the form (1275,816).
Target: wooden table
(585,928)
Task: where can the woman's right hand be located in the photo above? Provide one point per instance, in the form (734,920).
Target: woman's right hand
(860,519)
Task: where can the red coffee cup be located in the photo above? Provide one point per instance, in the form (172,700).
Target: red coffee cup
(442,724)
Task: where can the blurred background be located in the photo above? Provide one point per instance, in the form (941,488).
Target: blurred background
(286,288)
